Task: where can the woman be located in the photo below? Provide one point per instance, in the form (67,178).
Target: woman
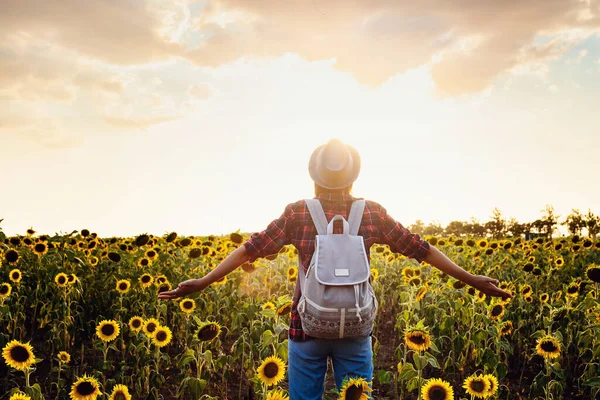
(333,167)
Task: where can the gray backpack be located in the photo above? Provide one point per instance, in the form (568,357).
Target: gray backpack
(337,299)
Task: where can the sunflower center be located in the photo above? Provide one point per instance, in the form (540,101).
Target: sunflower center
(85,388)
(119,396)
(187,304)
(62,279)
(353,392)
(417,338)
(161,336)
(144,262)
(594,274)
(107,330)
(146,278)
(497,310)
(123,286)
(151,327)
(209,332)
(136,323)
(3,289)
(572,289)
(163,288)
(477,386)
(548,346)
(19,354)
(40,248)
(151,253)
(15,275)
(271,370)
(437,393)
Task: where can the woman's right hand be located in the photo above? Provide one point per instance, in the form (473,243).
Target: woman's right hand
(488,286)
(184,288)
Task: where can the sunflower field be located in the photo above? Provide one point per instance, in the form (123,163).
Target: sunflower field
(80,319)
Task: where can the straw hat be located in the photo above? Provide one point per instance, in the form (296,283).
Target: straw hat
(334,165)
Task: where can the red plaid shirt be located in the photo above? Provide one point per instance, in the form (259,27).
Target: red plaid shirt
(295,226)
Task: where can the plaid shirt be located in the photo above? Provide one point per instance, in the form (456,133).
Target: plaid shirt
(295,226)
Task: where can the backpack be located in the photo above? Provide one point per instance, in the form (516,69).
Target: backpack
(337,299)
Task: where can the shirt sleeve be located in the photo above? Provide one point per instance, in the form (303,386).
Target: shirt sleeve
(272,239)
(400,239)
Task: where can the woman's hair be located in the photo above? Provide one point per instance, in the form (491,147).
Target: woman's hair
(321,189)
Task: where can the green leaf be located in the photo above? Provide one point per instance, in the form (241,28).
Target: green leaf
(420,361)
(432,360)
(594,382)
(383,376)
(407,372)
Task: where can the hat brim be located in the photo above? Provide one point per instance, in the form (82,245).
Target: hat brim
(334,181)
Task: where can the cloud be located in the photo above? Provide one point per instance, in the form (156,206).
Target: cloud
(137,123)
(376,40)
(118,32)
(200,91)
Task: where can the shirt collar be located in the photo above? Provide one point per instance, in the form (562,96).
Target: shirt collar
(335,197)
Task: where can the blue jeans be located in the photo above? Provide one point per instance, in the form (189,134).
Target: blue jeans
(307,364)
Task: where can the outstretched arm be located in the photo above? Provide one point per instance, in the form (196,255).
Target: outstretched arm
(482,283)
(229,264)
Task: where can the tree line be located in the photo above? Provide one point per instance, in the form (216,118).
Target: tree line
(498,226)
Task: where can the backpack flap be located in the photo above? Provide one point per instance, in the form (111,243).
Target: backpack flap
(341,260)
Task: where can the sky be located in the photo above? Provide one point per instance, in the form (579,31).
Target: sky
(125,117)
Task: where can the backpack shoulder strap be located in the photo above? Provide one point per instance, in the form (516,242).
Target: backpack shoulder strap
(355,217)
(318,215)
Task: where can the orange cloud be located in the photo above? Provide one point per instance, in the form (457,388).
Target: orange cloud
(376,40)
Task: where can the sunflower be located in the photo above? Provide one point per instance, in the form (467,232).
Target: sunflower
(64,357)
(268,305)
(162,336)
(374,274)
(477,386)
(18,355)
(544,297)
(114,257)
(187,305)
(146,280)
(482,243)
(593,273)
(221,281)
(120,392)
(172,236)
(285,308)
(151,254)
(143,262)
(150,326)
(458,284)
(164,287)
(61,279)
(136,323)
(548,347)
(417,339)
(5,290)
(437,389)
(526,290)
(11,256)
(40,248)
(481,296)
(493,381)
(160,279)
(573,289)
(528,299)
(15,275)
(85,388)
(71,279)
(421,293)
(108,330)
(208,331)
(123,286)
(497,312)
(271,371)
(19,396)
(414,281)
(292,273)
(277,395)
(355,388)
(249,267)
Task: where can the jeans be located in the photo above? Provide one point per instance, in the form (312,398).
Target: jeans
(307,364)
